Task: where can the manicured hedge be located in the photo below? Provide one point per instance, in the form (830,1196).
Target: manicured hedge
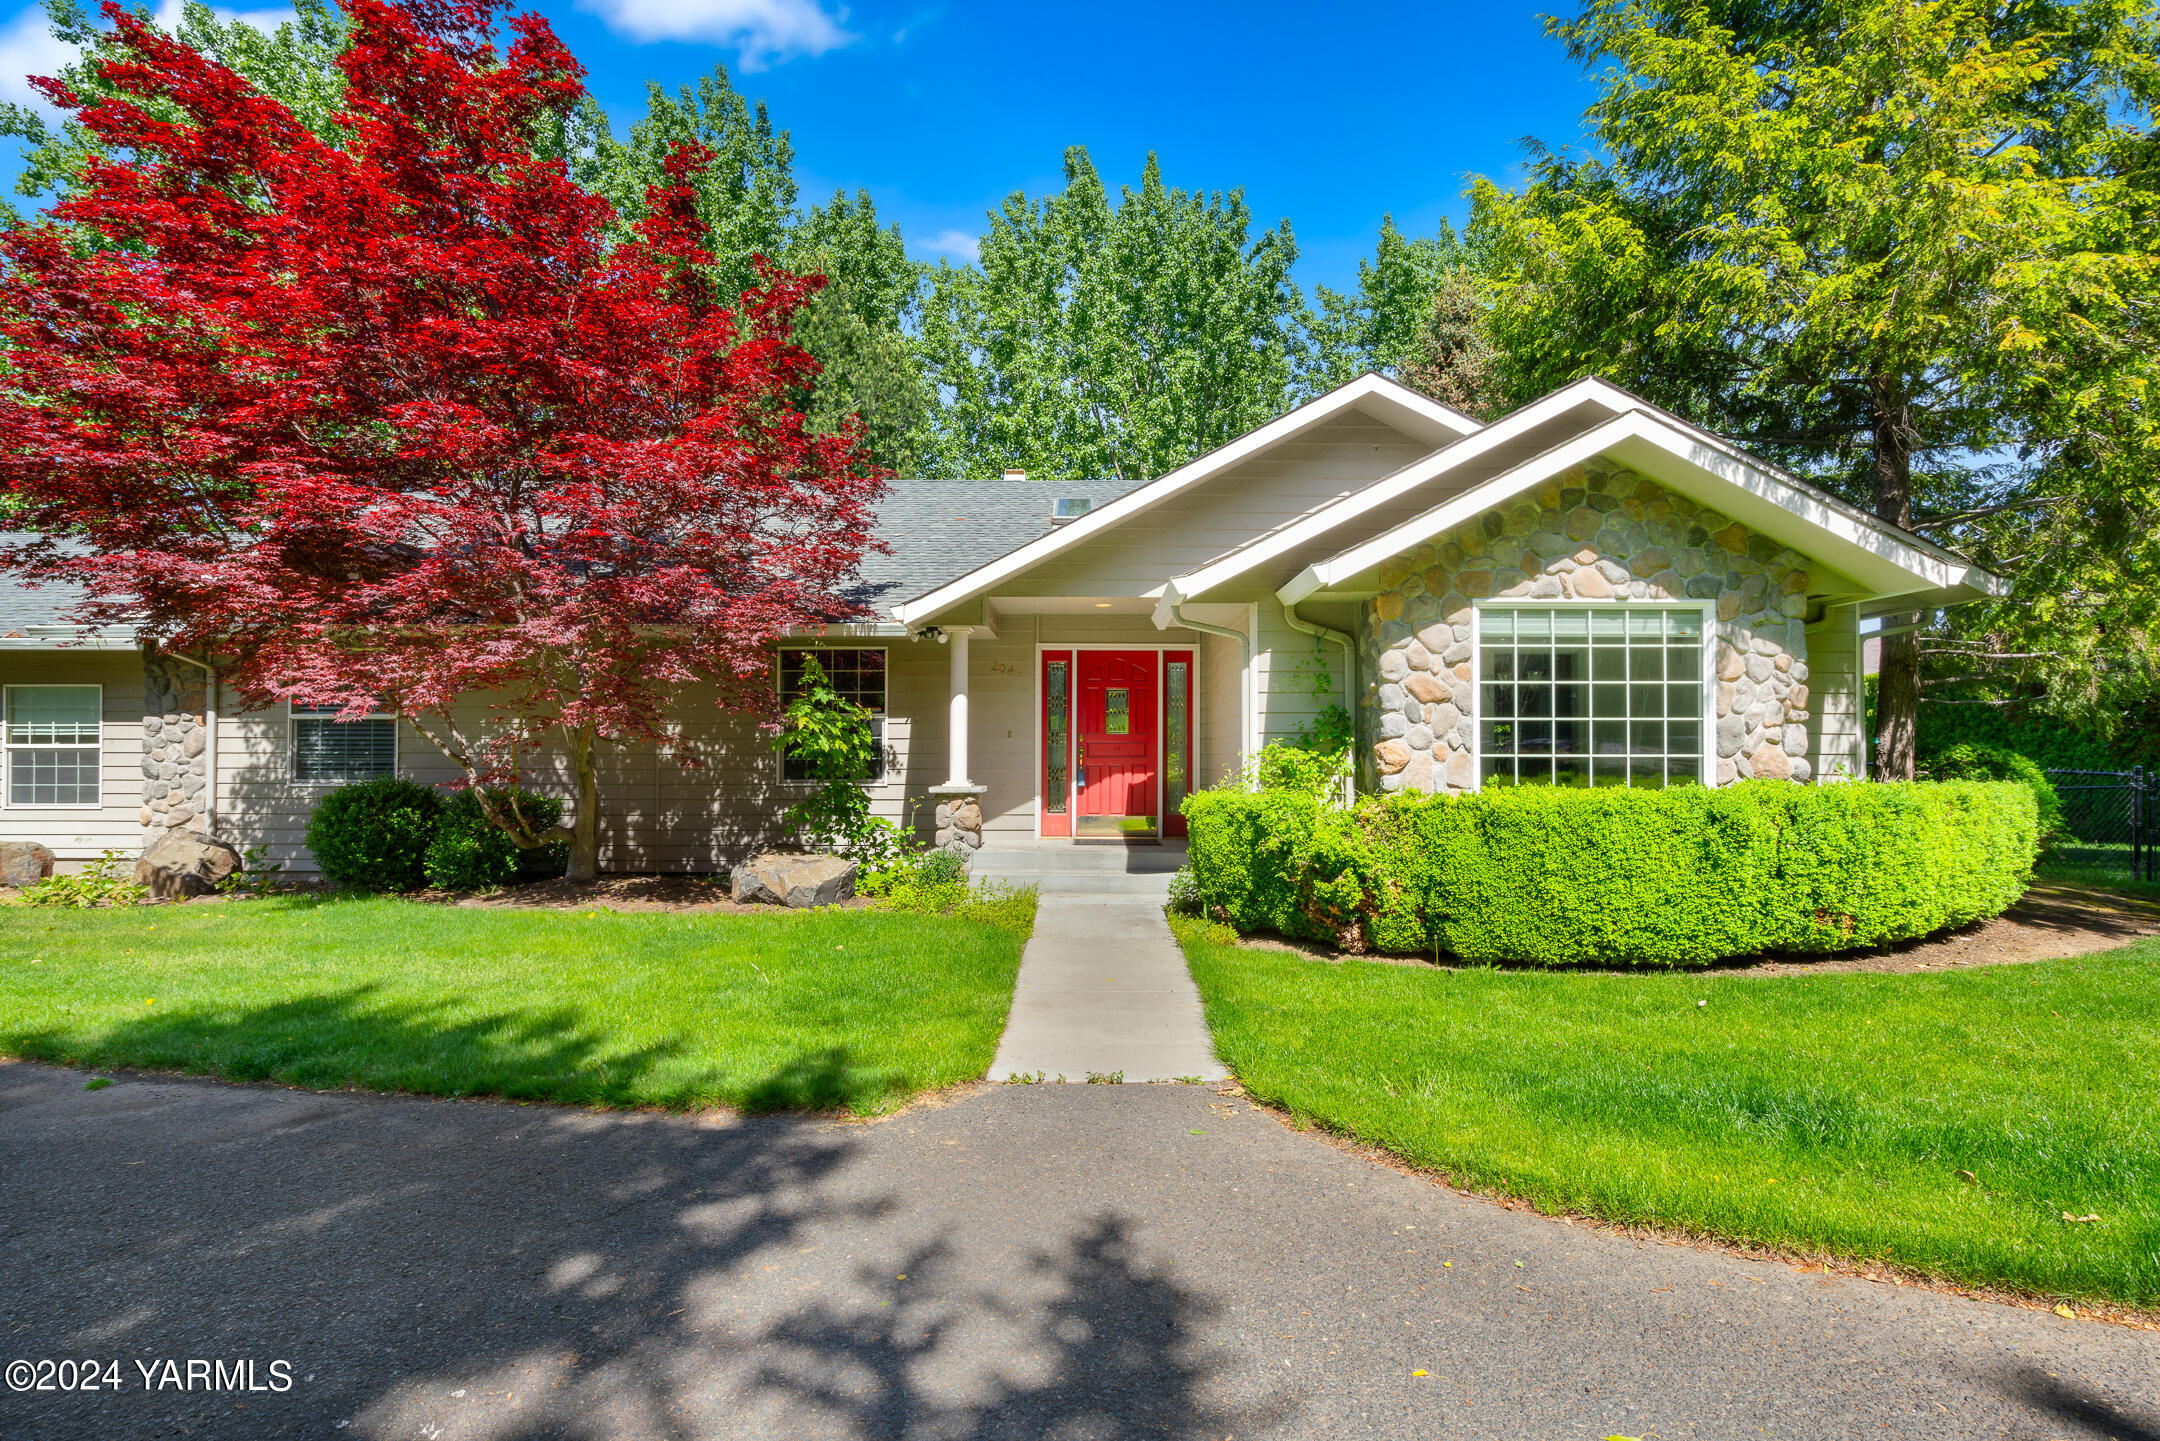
(1637,877)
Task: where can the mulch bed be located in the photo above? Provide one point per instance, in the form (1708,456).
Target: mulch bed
(686,893)
(2055,919)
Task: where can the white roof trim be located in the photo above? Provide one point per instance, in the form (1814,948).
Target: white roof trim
(67,637)
(1095,522)
(1861,536)
(1393,487)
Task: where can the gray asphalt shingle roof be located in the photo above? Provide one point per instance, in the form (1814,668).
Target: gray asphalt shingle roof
(939,530)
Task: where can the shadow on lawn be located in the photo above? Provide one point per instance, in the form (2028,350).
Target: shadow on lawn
(364,1037)
(512,1273)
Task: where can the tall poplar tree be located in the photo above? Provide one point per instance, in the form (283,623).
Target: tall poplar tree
(1100,337)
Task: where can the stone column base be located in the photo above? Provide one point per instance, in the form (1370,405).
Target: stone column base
(959,819)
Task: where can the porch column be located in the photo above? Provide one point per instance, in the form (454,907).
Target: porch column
(956,768)
(959,812)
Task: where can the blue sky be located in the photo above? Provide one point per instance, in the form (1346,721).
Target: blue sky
(1330,116)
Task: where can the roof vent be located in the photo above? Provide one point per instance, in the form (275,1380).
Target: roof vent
(1068,509)
(1016,475)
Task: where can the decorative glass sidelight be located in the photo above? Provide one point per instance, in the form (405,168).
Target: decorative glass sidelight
(1056,786)
(1175,705)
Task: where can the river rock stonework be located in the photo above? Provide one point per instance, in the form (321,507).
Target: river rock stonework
(1597,532)
(175,748)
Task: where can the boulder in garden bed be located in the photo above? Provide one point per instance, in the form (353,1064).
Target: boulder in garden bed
(185,863)
(24,863)
(794,879)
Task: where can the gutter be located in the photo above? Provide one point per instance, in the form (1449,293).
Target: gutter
(1350,679)
(1245,718)
(210,740)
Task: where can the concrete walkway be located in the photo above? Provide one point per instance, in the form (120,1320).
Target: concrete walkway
(1103,990)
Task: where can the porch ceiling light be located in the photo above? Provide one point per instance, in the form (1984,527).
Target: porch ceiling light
(1102,605)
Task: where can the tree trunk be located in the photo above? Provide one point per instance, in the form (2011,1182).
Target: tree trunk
(1897,680)
(585,825)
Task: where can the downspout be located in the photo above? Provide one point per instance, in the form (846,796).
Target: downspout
(210,739)
(1245,745)
(1350,679)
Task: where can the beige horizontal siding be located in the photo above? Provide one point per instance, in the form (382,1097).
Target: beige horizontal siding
(1837,720)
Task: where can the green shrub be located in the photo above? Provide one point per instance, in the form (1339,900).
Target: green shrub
(1620,876)
(373,835)
(469,852)
(106,881)
(1970,761)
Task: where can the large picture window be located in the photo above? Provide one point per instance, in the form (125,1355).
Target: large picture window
(1606,696)
(52,744)
(859,676)
(326,750)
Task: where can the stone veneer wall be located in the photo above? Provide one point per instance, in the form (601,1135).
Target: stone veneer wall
(1596,532)
(175,708)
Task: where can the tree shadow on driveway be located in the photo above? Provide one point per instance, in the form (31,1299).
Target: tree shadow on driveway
(503,1271)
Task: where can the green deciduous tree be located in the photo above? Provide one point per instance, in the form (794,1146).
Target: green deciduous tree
(1110,337)
(1453,359)
(1831,230)
(1380,325)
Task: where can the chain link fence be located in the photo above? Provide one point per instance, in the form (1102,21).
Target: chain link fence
(2111,820)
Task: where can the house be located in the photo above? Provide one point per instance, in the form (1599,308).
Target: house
(1589,591)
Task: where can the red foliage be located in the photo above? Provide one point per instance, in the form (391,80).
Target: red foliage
(392,420)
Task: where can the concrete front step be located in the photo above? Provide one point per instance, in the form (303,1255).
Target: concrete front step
(1046,857)
(1079,883)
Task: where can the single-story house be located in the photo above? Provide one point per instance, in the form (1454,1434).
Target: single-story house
(1588,591)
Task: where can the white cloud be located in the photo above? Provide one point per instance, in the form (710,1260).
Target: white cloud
(28,47)
(957,243)
(760,31)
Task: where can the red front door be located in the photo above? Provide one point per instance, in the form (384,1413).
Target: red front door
(1115,765)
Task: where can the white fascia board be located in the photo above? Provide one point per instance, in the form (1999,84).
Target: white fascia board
(1402,482)
(1125,507)
(1856,538)
(55,637)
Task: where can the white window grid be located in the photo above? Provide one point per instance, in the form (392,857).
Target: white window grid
(852,680)
(52,755)
(1687,701)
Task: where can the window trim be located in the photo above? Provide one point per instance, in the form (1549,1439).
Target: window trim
(888,767)
(292,744)
(8,748)
(1706,700)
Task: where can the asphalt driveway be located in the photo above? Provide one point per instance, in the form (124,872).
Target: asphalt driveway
(1027,1261)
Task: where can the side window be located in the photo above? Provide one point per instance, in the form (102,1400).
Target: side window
(52,744)
(858,675)
(326,749)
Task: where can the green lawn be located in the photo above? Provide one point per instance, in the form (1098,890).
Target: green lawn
(1832,1112)
(853,1008)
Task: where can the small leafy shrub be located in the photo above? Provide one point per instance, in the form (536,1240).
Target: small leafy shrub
(258,874)
(1638,877)
(374,835)
(885,854)
(1184,892)
(1969,761)
(106,881)
(469,852)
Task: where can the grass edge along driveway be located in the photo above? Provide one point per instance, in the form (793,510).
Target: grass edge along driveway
(1940,1122)
(817,1009)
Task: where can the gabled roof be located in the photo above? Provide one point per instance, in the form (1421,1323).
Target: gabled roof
(1417,415)
(1490,449)
(1888,560)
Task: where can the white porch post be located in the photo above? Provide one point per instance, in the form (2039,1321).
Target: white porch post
(956,769)
(959,812)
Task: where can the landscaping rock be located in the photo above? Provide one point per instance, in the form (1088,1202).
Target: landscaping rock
(24,863)
(794,879)
(185,863)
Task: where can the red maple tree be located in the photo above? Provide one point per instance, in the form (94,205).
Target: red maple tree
(401,420)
